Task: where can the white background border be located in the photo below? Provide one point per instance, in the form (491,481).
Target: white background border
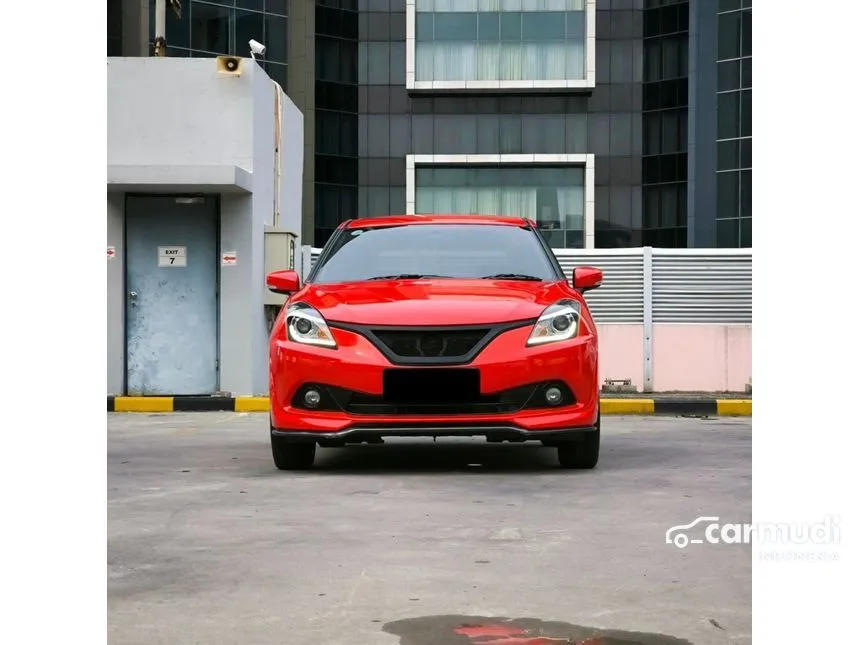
(54,315)
(584,160)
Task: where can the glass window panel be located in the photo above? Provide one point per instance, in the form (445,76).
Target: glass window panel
(728,115)
(455,134)
(598,134)
(746,232)
(728,5)
(424,26)
(398,63)
(671,64)
(746,153)
(328,59)
(620,133)
(540,26)
(746,72)
(727,155)
(746,33)
(277,6)
(746,193)
(488,134)
(576,132)
(362,62)
(455,26)
(746,113)
(377,172)
(727,233)
(349,134)
(729,35)
(554,197)
(255,5)
(210,28)
(728,75)
(422,134)
(651,215)
(399,135)
(278,73)
(249,26)
(575,25)
(511,134)
(378,201)
(488,26)
(377,136)
(652,132)
(511,26)
(397,200)
(276,39)
(670,131)
(378,64)
(727,194)
(177,29)
(653,60)
(669,206)
(348,203)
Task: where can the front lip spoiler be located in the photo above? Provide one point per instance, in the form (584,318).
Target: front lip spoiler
(374,434)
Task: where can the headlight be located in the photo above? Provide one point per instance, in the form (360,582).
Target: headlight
(558,322)
(307,326)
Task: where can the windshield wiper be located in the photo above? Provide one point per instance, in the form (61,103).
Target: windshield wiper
(407,276)
(513,276)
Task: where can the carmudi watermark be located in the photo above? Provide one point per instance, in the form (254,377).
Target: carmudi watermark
(813,535)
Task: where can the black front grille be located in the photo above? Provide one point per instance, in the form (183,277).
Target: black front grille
(449,343)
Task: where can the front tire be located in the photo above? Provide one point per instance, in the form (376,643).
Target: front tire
(289,455)
(581,455)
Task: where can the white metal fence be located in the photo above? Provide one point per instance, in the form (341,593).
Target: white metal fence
(647,285)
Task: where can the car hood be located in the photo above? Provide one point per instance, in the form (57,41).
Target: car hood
(432,302)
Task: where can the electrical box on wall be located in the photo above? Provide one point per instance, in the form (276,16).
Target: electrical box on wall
(281,255)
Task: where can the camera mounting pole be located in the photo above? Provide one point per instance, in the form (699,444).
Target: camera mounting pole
(160,43)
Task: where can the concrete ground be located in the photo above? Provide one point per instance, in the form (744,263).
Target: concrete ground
(417,543)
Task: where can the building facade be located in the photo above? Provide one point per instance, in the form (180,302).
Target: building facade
(612,123)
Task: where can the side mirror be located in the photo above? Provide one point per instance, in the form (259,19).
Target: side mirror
(587,278)
(285,282)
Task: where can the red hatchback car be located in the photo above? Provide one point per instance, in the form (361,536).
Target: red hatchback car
(434,326)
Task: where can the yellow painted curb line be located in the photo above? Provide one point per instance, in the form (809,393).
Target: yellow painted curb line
(252,404)
(734,407)
(627,406)
(143,404)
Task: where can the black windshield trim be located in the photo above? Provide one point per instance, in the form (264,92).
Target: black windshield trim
(344,229)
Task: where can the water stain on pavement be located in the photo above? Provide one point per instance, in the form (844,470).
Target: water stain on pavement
(484,630)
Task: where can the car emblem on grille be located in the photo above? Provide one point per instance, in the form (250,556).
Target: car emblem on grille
(431,346)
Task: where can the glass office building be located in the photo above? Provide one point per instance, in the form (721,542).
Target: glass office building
(611,123)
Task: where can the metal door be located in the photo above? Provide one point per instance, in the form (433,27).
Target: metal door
(171,295)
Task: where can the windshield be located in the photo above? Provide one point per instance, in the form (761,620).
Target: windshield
(437,250)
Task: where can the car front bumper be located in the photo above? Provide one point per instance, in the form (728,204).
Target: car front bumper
(505,364)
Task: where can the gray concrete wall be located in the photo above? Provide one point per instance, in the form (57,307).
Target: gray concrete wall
(292,166)
(179,112)
(178,116)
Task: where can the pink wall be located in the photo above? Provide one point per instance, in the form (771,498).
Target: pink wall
(622,353)
(702,358)
(686,358)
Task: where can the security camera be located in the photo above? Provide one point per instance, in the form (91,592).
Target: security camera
(257,49)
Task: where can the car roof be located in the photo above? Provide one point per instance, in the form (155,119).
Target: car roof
(402,220)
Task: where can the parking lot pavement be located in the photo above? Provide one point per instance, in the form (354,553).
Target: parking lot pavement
(416,543)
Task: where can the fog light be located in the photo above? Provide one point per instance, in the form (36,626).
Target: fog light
(553,395)
(312,398)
